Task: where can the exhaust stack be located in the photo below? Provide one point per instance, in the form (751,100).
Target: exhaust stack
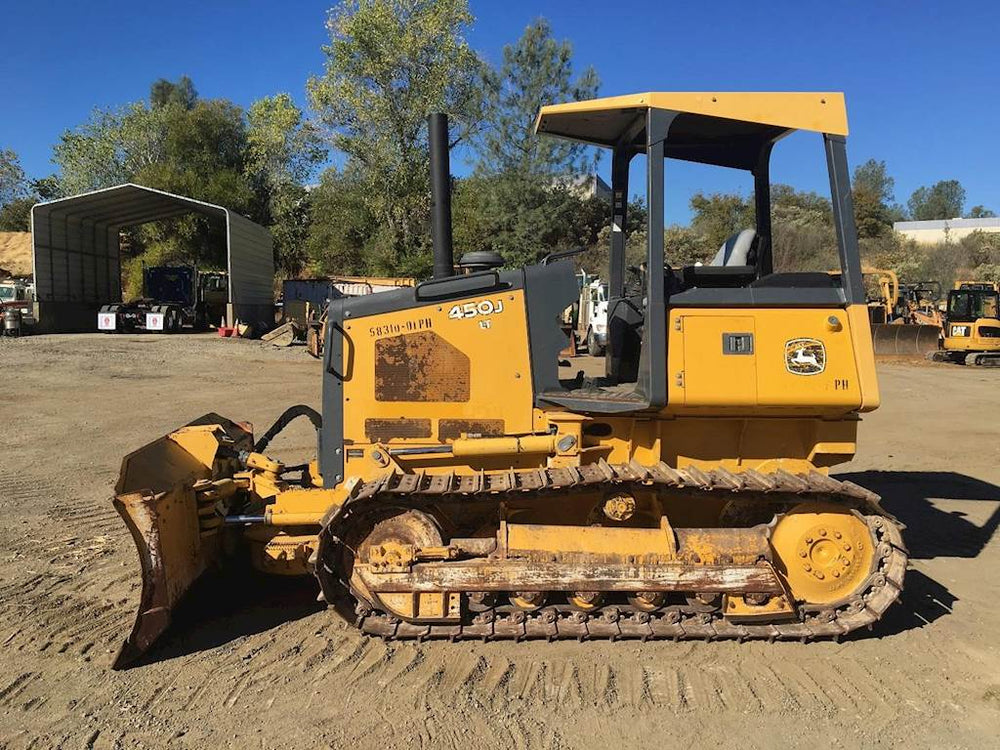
(444,259)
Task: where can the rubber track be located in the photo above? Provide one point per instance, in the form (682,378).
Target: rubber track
(983,359)
(862,609)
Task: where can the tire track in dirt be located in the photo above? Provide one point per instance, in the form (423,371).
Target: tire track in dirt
(61,599)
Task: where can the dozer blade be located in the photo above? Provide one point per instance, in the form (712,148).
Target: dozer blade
(175,527)
(905,340)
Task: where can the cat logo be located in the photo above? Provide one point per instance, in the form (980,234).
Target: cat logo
(805,356)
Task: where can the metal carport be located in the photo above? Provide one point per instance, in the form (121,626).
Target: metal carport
(75,251)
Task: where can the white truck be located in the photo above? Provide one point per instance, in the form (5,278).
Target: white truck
(592,314)
(17,298)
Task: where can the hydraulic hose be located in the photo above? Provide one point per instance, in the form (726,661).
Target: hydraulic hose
(290,414)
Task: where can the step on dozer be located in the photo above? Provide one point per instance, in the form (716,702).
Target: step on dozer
(468,487)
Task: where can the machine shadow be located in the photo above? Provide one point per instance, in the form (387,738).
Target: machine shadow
(221,608)
(922,601)
(931,531)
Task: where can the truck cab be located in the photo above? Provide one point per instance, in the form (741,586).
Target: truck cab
(19,295)
(173,297)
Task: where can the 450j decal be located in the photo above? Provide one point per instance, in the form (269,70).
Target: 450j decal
(475,309)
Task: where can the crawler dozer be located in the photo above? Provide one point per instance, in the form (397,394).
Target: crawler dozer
(901,325)
(468,487)
(922,304)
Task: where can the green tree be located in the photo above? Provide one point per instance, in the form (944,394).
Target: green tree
(194,147)
(981,248)
(282,147)
(16,215)
(873,177)
(47,188)
(110,148)
(682,246)
(15,198)
(981,212)
(388,65)
(526,199)
(524,219)
(535,71)
(897,253)
(802,235)
(180,93)
(942,200)
(252,162)
(283,152)
(875,209)
(13,182)
(987,272)
(719,215)
(341,235)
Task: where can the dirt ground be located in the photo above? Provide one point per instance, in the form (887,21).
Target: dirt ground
(259,665)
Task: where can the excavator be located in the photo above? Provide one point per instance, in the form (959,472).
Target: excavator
(685,493)
(972,325)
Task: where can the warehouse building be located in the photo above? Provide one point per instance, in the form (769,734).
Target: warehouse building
(945,230)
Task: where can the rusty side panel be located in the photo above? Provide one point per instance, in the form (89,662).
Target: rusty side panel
(452,429)
(420,367)
(383,430)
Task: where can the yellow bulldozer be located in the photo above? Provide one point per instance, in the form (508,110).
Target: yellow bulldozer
(466,487)
(903,322)
(922,304)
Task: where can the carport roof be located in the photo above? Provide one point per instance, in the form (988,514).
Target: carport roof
(76,248)
(126,204)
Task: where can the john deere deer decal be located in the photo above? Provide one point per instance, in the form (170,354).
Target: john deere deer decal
(805,356)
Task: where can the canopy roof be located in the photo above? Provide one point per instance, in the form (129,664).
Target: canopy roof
(76,246)
(706,123)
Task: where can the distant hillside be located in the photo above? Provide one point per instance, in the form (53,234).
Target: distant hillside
(15,253)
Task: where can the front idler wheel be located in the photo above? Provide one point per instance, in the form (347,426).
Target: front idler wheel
(825,552)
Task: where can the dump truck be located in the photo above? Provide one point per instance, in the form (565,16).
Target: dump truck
(464,489)
(972,326)
(173,297)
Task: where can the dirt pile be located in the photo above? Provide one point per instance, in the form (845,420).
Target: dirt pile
(15,254)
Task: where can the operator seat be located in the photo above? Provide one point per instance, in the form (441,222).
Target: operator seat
(735,250)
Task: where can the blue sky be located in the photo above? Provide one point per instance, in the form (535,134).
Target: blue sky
(921,77)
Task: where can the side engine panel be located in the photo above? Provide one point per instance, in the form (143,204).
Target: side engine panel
(782,362)
(433,372)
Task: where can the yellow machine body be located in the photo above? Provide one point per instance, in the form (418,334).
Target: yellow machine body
(979,335)
(972,325)
(467,485)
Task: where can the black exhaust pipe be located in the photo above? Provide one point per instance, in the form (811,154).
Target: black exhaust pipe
(444,257)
